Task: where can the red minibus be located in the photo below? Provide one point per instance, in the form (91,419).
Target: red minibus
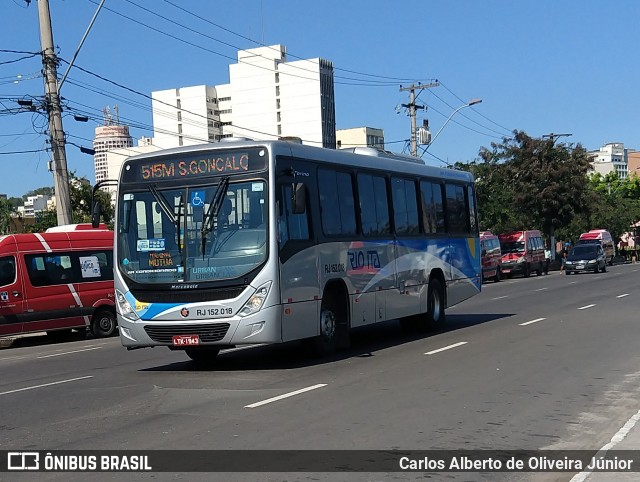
(491,256)
(58,280)
(522,252)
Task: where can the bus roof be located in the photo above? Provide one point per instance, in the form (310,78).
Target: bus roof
(357,157)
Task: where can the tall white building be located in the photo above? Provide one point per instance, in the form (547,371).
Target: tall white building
(185,116)
(116,157)
(266,98)
(611,157)
(109,136)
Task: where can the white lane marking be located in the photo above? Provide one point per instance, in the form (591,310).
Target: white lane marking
(532,321)
(46,385)
(622,296)
(573,282)
(500,297)
(68,352)
(542,289)
(586,307)
(286,395)
(455,345)
(617,438)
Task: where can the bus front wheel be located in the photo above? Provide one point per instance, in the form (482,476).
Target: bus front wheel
(334,329)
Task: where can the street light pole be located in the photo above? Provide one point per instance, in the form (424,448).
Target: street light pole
(468,104)
(56,133)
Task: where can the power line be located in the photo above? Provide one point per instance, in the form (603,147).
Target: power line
(395,79)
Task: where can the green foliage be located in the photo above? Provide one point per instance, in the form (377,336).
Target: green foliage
(80,191)
(6,211)
(529,183)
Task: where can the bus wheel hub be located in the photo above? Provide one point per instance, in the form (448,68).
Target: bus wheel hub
(327,324)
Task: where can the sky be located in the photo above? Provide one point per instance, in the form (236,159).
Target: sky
(539,66)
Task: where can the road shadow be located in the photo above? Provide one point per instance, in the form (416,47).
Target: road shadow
(365,342)
(40,339)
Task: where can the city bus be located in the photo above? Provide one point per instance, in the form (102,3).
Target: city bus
(257,242)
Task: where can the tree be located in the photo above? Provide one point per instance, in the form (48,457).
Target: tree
(547,182)
(493,194)
(615,203)
(7,210)
(80,191)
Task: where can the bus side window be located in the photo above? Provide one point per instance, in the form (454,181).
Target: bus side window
(292,226)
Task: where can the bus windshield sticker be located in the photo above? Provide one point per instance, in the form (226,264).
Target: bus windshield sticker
(158,259)
(145,245)
(89,267)
(257,186)
(197,199)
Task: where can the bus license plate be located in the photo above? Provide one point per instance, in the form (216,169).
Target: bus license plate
(186,340)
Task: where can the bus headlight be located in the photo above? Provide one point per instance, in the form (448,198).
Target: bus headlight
(125,308)
(254,304)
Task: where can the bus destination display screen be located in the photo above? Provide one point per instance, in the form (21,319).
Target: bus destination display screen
(208,164)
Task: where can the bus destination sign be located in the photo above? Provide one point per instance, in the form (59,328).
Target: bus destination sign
(207,165)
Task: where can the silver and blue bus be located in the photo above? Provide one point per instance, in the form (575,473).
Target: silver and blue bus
(252,242)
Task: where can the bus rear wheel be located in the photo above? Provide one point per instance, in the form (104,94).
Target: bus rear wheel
(103,323)
(202,354)
(435,304)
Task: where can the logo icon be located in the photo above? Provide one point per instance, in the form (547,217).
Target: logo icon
(184,312)
(23,461)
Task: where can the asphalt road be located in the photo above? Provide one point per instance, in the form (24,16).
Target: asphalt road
(547,362)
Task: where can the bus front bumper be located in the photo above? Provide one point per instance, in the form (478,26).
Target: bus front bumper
(261,327)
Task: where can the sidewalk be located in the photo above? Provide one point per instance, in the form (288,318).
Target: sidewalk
(627,438)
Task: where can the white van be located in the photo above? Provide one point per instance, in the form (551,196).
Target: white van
(602,237)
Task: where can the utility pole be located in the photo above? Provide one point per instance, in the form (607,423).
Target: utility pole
(553,136)
(412,110)
(54,111)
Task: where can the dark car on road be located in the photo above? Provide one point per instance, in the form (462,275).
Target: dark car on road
(586,257)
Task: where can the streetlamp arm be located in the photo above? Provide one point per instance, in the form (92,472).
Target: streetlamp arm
(468,104)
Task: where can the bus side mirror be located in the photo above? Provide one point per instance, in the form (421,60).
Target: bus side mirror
(299,198)
(96,212)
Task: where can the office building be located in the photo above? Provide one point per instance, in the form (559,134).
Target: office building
(267,97)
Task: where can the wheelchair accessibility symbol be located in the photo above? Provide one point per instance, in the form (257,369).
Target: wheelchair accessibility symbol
(197,199)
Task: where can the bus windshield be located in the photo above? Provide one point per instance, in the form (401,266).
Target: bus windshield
(174,235)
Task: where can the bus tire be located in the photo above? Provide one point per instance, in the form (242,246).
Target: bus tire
(435,304)
(334,331)
(103,323)
(202,354)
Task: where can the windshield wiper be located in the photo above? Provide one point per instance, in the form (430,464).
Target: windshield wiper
(164,204)
(211,215)
(166,209)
